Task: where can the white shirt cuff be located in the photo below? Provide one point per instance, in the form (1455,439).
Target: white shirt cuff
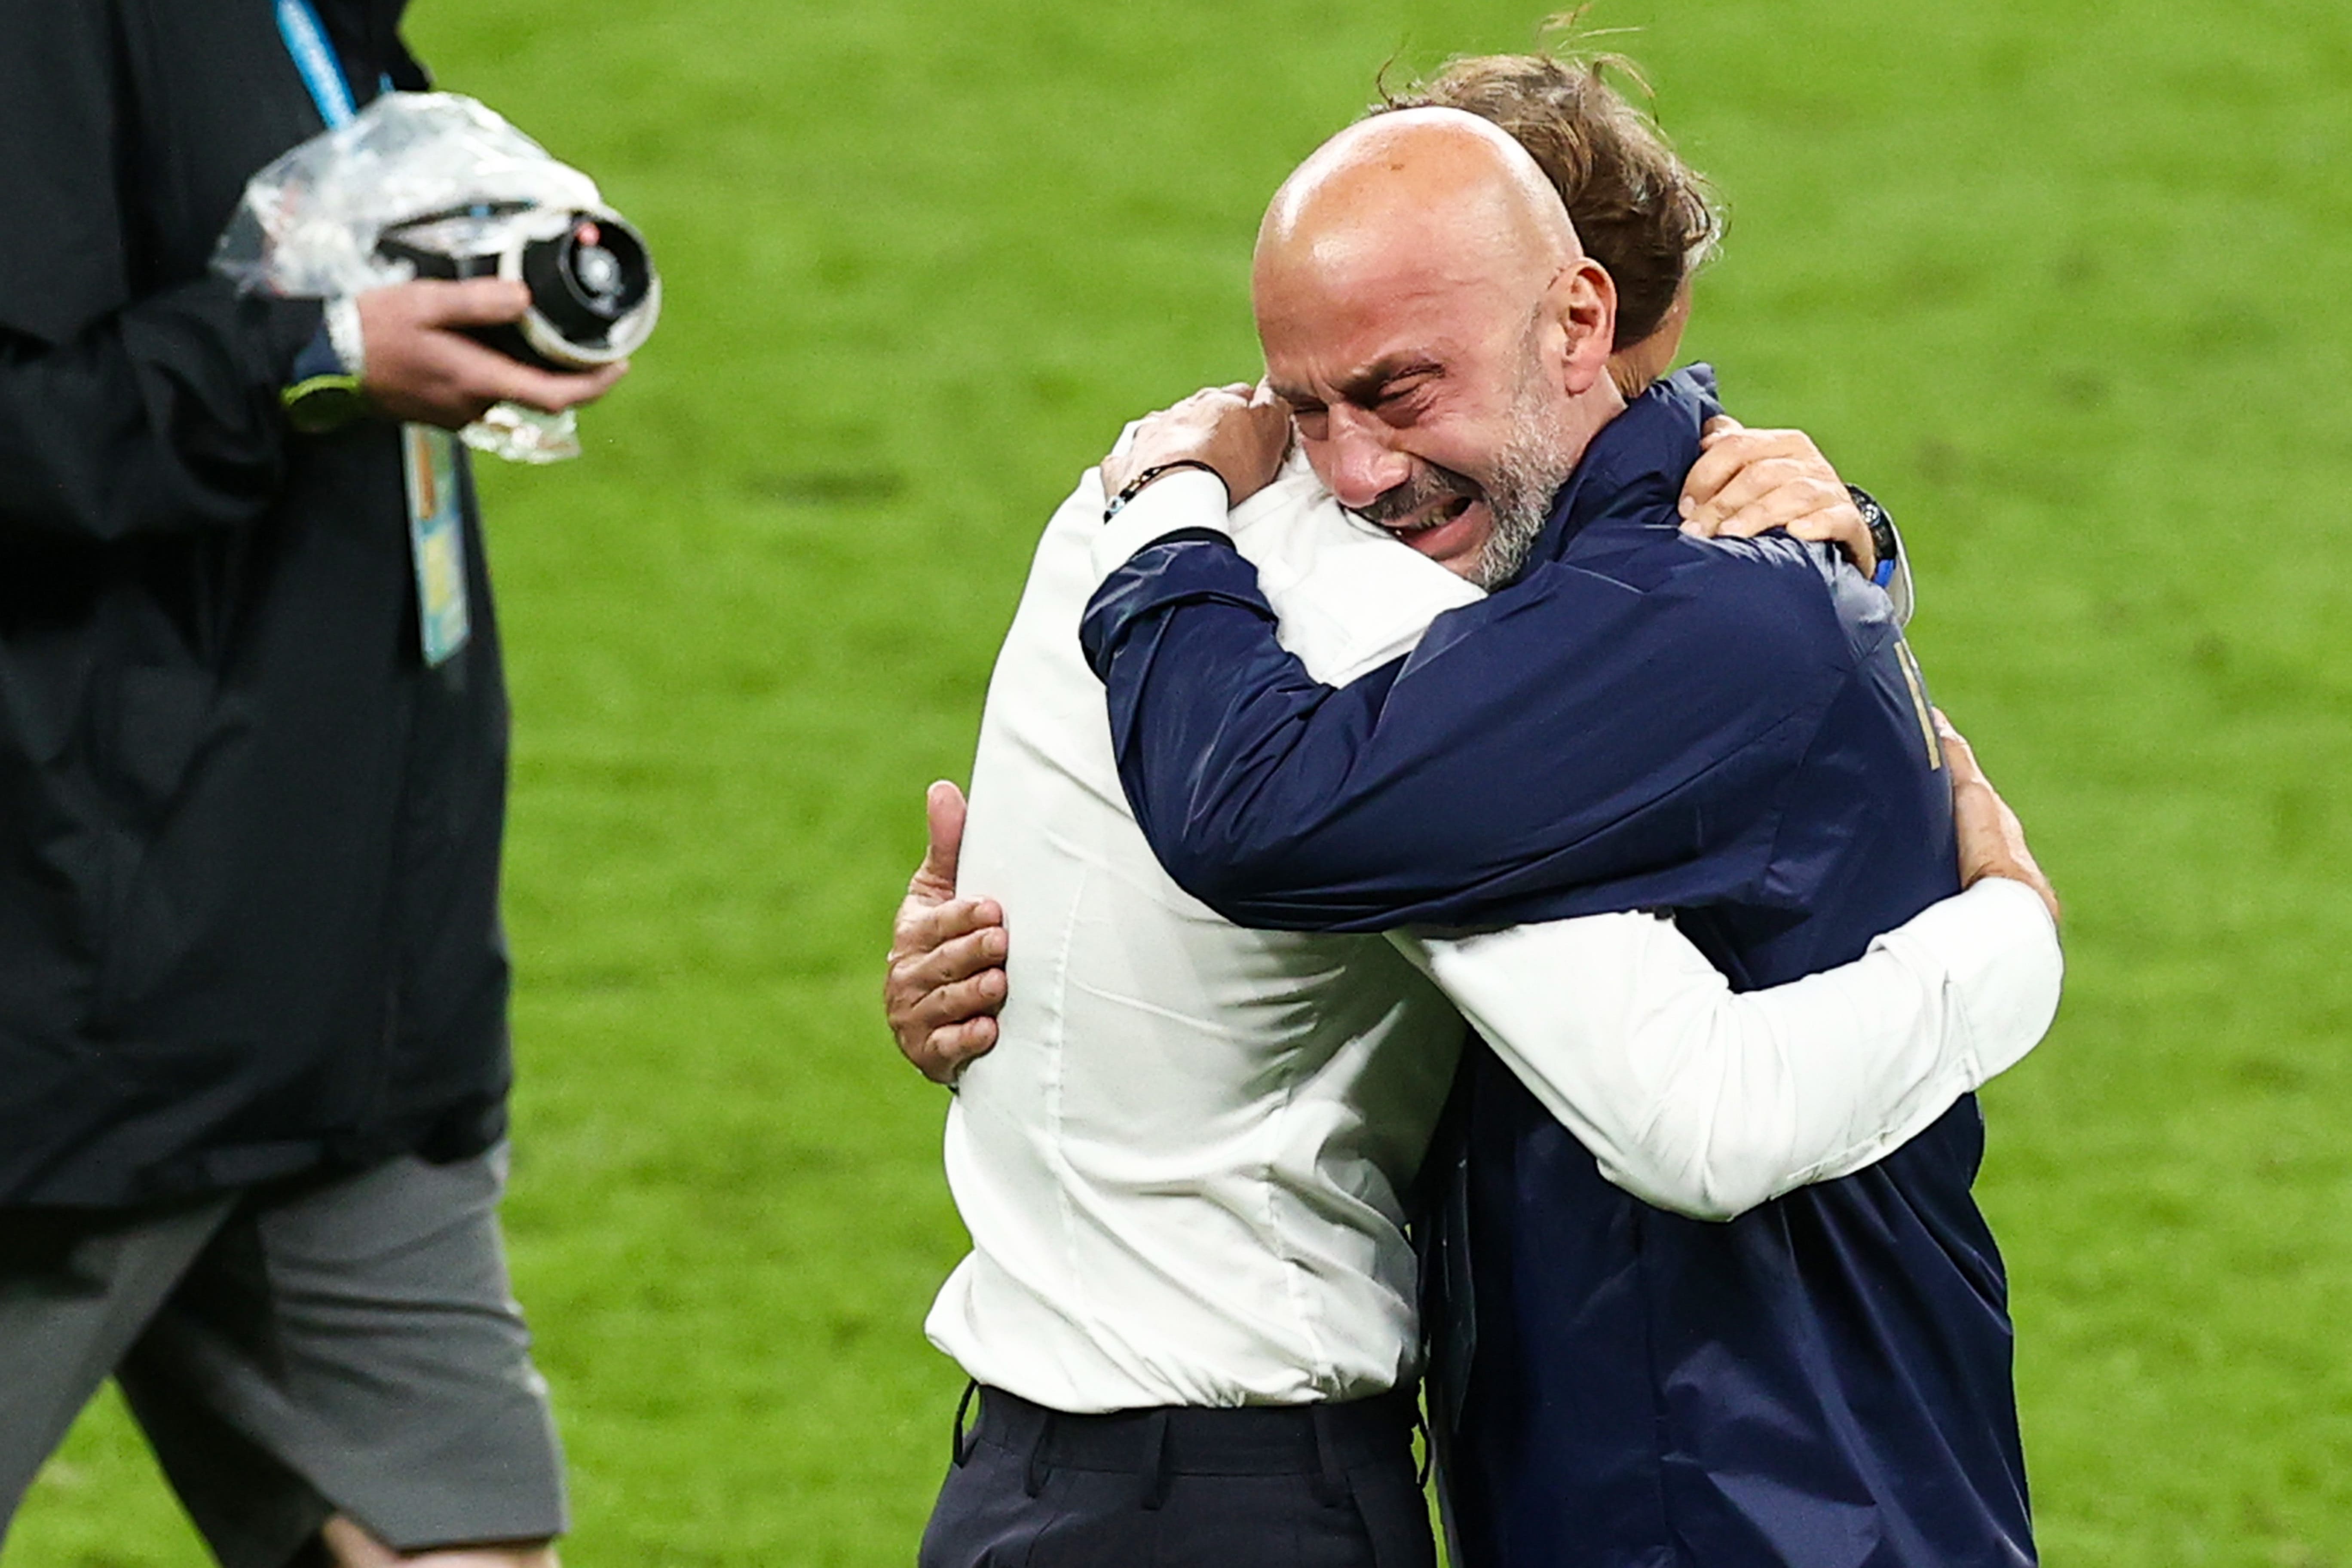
(1185,499)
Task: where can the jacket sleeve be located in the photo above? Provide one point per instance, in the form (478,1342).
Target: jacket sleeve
(1568,746)
(162,417)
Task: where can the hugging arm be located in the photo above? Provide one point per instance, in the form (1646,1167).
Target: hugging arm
(1710,1102)
(1491,777)
(1691,1096)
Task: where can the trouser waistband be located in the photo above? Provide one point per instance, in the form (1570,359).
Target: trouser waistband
(1195,1441)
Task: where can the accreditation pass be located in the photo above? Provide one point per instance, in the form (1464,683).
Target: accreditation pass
(437,540)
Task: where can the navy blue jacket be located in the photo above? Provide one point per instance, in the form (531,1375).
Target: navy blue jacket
(1734,732)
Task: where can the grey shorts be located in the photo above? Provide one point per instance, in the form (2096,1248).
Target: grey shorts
(342,1345)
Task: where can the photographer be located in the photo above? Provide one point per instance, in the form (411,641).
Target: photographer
(253,1041)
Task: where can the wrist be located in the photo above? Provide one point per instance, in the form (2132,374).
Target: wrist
(1187,502)
(1884,541)
(1145,478)
(323,389)
(340,319)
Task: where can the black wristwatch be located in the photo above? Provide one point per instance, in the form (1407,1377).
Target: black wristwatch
(1883,538)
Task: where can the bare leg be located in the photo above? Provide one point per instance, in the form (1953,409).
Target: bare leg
(352,1547)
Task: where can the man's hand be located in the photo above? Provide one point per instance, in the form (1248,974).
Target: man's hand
(1992,841)
(1240,430)
(422,366)
(1747,481)
(946,978)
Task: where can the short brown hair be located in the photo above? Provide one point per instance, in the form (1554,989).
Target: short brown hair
(1640,212)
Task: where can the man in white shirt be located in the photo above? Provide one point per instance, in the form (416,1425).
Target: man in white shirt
(1190,1296)
(1184,1165)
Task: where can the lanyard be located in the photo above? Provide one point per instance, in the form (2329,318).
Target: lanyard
(435,517)
(314,57)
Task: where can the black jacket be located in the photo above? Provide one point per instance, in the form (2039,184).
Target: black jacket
(249,843)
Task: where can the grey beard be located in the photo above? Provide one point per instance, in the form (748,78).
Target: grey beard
(1529,471)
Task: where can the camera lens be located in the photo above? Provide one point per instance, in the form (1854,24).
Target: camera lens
(587,278)
(594,296)
(593,293)
(599,272)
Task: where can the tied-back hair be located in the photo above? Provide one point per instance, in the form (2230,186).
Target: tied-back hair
(1640,212)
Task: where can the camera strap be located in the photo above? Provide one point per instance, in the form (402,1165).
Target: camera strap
(314,57)
(437,536)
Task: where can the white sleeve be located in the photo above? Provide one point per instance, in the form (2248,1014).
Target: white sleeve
(1710,1102)
(1348,598)
(1188,498)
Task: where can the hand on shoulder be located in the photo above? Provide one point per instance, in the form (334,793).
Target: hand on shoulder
(1240,431)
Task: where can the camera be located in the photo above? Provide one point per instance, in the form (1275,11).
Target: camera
(595,293)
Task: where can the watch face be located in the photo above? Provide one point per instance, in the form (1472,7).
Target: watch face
(1881,535)
(1876,519)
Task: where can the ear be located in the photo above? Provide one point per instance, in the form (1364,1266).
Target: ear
(1583,300)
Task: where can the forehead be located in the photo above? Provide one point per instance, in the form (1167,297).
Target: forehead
(1325,326)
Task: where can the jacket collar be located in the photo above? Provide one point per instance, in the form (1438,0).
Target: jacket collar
(1633,469)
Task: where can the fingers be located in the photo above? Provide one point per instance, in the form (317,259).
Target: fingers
(944,810)
(1806,507)
(1730,446)
(1749,481)
(1837,521)
(939,1028)
(923,926)
(421,365)
(946,980)
(469,302)
(917,972)
(1757,470)
(1237,430)
(981,997)
(1769,495)
(943,1054)
(552,392)
(1725,447)
(472,376)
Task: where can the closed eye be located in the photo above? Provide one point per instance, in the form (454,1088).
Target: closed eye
(1401,401)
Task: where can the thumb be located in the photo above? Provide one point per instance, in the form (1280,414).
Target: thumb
(943,805)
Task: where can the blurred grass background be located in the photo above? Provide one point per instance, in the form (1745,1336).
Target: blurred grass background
(2062,280)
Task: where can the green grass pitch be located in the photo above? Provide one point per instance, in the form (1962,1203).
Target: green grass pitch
(2063,280)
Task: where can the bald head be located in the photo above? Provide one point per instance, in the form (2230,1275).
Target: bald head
(1438,334)
(1431,192)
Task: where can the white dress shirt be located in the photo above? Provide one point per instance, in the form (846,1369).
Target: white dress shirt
(1181,1165)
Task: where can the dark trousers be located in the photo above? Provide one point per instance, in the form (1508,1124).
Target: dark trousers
(1323,1486)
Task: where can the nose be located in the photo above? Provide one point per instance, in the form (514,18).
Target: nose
(1357,460)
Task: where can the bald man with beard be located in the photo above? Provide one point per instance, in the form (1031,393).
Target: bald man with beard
(1732,731)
